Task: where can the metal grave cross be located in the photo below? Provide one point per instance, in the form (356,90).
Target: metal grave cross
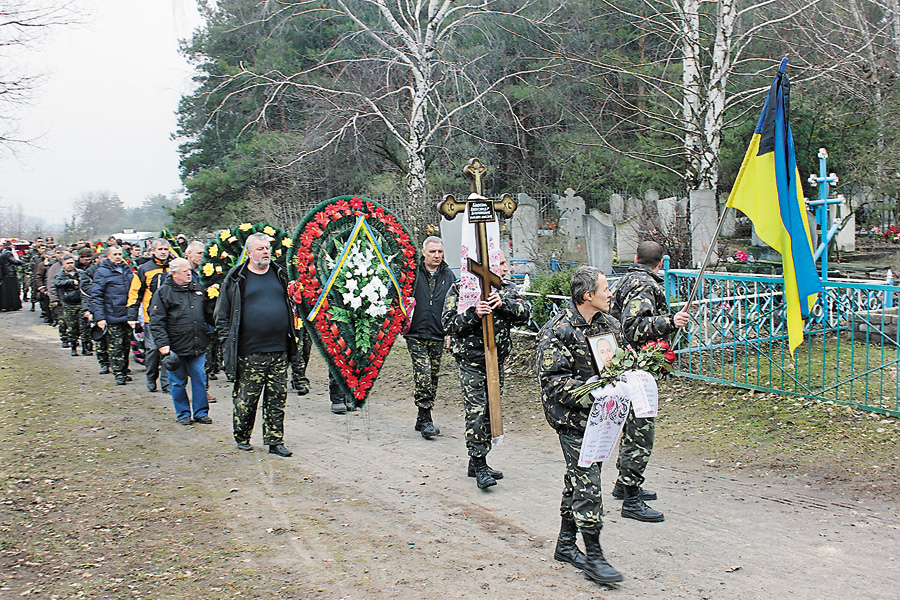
(482,211)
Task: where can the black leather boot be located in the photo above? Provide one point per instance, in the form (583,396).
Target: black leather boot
(567,545)
(619,492)
(595,566)
(482,473)
(633,507)
(425,425)
(498,475)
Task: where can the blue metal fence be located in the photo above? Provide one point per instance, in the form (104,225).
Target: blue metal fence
(738,336)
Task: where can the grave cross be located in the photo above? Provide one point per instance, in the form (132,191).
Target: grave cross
(482,211)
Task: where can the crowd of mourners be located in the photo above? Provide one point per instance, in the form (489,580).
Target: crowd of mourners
(121,303)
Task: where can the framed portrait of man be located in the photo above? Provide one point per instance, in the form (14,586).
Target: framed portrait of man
(603,348)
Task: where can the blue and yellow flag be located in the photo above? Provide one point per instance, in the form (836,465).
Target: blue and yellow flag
(767,190)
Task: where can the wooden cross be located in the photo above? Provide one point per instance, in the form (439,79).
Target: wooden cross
(481,212)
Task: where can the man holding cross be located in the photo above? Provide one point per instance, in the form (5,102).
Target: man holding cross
(467,346)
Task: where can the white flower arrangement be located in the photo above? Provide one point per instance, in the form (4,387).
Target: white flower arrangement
(360,284)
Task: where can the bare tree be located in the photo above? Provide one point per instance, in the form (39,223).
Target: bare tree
(21,24)
(414,67)
(682,64)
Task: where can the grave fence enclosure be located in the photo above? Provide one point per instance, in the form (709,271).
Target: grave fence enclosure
(738,336)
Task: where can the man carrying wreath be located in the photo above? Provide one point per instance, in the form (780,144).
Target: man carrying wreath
(639,302)
(564,363)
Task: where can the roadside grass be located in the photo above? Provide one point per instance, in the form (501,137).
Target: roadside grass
(86,511)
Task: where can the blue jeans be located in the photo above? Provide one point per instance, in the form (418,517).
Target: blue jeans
(195,368)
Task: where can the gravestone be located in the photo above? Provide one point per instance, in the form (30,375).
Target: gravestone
(524,228)
(634,207)
(666,209)
(599,232)
(617,208)
(704,218)
(651,202)
(729,222)
(451,234)
(571,219)
(845,238)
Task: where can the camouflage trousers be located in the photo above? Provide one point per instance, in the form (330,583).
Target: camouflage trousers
(260,373)
(426,364)
(101,348)
(301,360)
(473,385)
(59,316)
(212,356)
(635,448)
(118,340)
(581,499)
(73,315)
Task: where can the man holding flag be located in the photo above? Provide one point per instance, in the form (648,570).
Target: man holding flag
(767,191)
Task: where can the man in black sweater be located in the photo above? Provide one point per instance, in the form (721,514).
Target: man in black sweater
(256,332)
(425,339)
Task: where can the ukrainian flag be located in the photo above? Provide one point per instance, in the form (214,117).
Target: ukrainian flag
(767,190)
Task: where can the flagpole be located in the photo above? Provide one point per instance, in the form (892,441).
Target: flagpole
(696,287)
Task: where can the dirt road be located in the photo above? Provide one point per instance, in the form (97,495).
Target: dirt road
(105,496)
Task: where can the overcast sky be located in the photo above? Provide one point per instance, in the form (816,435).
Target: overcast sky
(103,117)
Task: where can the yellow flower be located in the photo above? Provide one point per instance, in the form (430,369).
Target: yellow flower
(208,269)
(244,226)
(213,291)
(287,242)
(223,235)
(213,250)
(268,230)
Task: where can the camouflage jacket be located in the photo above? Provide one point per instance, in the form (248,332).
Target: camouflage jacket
(639,303)
(564,363)
(466,337)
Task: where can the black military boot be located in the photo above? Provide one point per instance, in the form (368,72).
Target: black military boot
(482,472)
(425,425)
(634,507)
(619,492)
(74,351)
(595,566)
(567,545)
(498,475)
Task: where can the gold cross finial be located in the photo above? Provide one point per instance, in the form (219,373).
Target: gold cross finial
(475,171)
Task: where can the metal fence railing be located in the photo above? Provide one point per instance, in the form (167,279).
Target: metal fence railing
(738,336)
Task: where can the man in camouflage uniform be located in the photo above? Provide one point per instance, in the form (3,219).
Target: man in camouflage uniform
(27,283)
(564,363)
(299,380)
(68,292)
(254,322)
(639,303)
(425,339)
(467,347)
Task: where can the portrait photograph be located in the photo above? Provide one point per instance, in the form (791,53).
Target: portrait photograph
(603,348)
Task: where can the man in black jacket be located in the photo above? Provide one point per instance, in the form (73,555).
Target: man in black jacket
(254,322)
(178,324)
(425,339)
